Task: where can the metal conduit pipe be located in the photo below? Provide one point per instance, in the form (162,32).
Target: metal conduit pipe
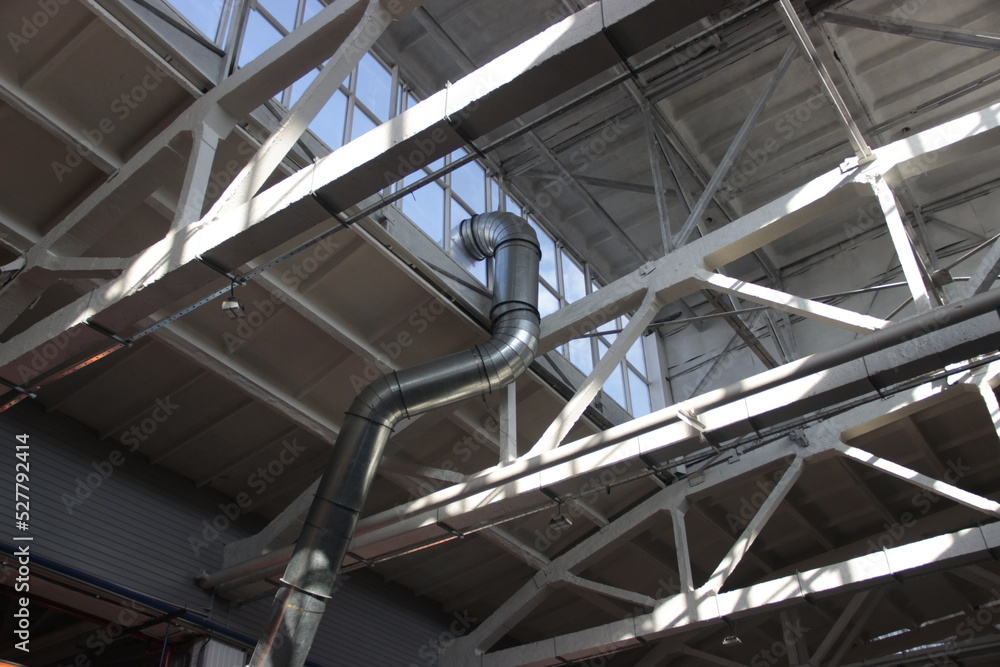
(309,579)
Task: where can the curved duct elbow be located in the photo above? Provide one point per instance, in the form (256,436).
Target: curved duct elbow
(484,368)
(310,576)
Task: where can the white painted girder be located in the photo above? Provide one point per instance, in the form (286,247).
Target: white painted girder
(902,25)
(985,273)
(609,591)
(903,159)
(174,257)
(218,110)
(567,54)
(801,36)
(837,629)
(371,20)
(673,439)
(823,442)
(925,482)
(676,615)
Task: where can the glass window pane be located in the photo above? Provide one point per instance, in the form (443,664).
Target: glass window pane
(513,206)
(204,16)
(300,86)
(580,355)
(614,325)
(548,303)
(615,386)
(458,251)
(639,393)
(425,208)
(411,101)
(361,124)
(374,86)
(478,271)
(259,36)
(547,268)
(574,284)
(329,123)
(469,183)
(458,214)
(282,10)
(313,8)
(637,355)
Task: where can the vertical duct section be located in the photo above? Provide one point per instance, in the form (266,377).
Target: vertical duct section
(309,578)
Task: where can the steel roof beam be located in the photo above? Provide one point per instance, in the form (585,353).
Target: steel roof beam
(798,31)
(680,613)
(735,149)
(899,25)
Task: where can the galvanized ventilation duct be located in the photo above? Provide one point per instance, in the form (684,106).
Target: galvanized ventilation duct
(310,576)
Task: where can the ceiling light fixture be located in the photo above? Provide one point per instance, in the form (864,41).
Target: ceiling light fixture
(560,520)
(731,639)
(231,305)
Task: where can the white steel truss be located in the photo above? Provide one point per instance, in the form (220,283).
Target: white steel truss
(170,268)
(705,606)
(494,492)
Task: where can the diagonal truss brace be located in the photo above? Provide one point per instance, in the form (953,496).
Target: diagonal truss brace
(798,30)
(735,149)
(898,25)
(707,606)
(834,315)
(735,556)
(575,407)
(905,252)
(941,488)
(248,182)
(823,442)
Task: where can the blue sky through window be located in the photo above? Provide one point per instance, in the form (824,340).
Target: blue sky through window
(204,15)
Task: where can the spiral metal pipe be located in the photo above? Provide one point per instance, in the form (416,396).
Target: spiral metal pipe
(311,574)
